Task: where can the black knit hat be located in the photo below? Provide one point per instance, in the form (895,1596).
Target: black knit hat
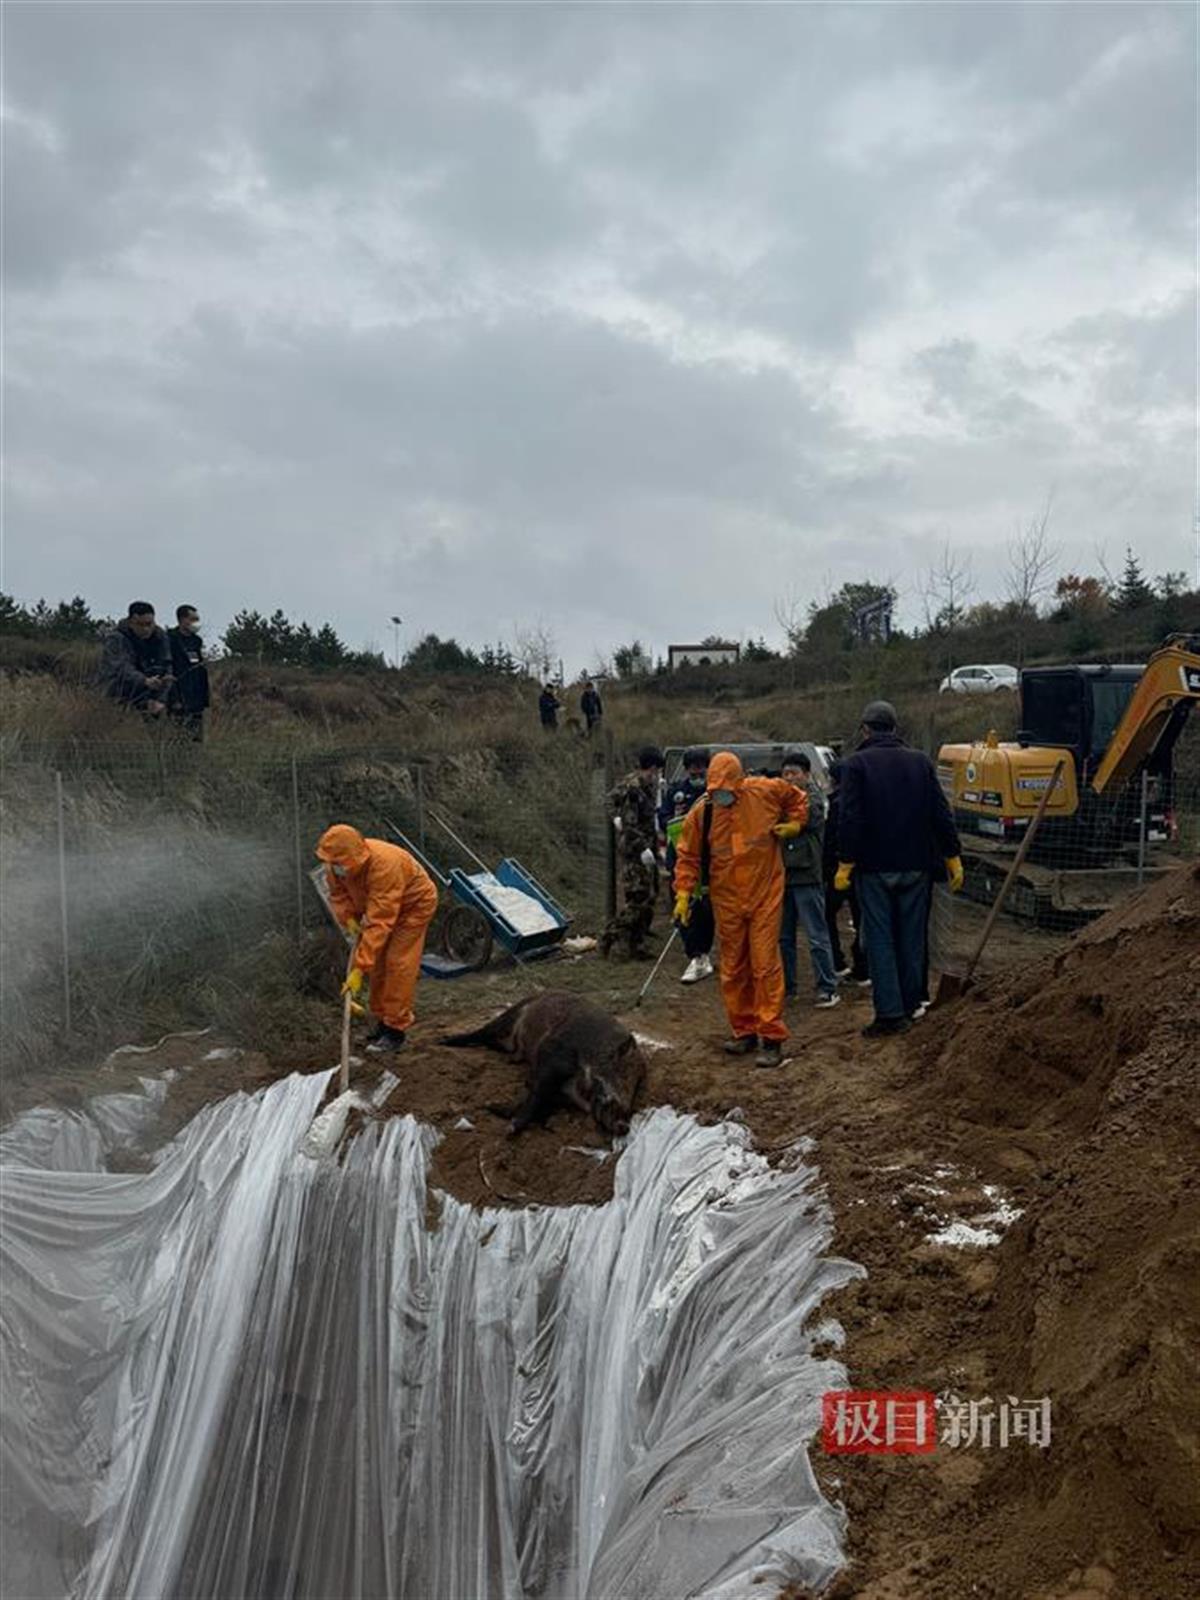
(650,756)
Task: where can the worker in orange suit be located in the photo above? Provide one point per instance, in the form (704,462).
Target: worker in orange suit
(730,844)
(386,899)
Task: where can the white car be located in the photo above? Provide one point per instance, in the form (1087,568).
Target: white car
(980,680)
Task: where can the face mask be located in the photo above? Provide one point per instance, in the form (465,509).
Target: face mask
(723,797)
(340,872)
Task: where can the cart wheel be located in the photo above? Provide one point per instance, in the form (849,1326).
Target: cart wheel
(467,937)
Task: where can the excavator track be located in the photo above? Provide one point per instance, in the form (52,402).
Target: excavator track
(1030,899)
(1058,898)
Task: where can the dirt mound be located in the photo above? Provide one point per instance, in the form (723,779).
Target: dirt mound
(1090,1060)
(1038,1046)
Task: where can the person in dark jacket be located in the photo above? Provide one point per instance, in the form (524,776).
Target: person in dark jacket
(804,892)
(135,661)
(698,932)
(835,899)
(189,698)
(895,828)
(592,706)
(548,708)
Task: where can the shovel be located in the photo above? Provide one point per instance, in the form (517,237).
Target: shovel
(348,1009)
(645,989)
(952,984)
(327,1127)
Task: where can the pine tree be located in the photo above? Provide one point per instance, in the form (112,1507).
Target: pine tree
(1133,592)
(279,637)
(327,650)
(248,637)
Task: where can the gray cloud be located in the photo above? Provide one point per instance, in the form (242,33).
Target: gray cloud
(628,319)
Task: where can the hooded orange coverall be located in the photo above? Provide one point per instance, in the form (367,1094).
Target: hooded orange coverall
(394,898)
(745,884)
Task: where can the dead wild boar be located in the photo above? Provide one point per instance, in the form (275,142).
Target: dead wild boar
(575,1053)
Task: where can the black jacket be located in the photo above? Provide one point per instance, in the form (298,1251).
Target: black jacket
(802,855)
(893,815)
(127,661)
(680,798)
(591,705)
(548,705)
(191,675)
(829,845)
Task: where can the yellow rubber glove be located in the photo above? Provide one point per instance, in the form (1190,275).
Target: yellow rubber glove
(787,830)
(954,869)
(353,927)
(841,878)
(683,908)
(354,982)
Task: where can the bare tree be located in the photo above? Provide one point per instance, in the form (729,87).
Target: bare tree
(1110,582)
(536,648)
(949,584)
(1032,558)
(790,611)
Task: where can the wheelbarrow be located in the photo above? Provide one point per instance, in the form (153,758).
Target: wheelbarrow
(505,905)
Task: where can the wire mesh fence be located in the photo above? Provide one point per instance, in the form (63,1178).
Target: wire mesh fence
(124,877)
(130,872)
(1089,850)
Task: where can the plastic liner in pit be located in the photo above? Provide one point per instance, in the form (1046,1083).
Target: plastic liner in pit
(247,1372)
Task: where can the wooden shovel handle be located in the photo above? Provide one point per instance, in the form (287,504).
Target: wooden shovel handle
(1017,863)
(347,1010)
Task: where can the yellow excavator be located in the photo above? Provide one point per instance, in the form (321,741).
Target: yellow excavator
(1119,726)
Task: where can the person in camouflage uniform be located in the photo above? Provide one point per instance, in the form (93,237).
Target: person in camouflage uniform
(634,805)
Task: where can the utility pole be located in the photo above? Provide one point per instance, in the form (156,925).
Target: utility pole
(396,621)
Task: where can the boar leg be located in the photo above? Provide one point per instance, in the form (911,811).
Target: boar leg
(553,1074)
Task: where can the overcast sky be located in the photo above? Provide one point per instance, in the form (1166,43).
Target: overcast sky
(628,318)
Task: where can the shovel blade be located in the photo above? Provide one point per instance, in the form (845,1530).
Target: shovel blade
(950,986)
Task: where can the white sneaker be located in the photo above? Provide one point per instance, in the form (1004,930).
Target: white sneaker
(694,970)
(915,1016)
(843,972)
(706,967)
(826,1002)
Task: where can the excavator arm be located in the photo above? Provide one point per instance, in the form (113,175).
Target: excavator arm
(1157,710)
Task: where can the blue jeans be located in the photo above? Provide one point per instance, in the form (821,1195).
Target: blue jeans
(895,910)
(804,907)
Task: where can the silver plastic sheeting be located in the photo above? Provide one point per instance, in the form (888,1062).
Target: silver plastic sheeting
(247,1373)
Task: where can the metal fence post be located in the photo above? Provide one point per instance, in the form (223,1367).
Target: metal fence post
(62,901)
(419,788)
(610,875)
(296,848)
(1142,826)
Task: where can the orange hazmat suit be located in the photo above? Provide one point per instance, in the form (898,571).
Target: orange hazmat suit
(394,899)
(745,884)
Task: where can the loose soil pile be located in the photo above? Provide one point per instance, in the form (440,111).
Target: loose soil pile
(1064,1086)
